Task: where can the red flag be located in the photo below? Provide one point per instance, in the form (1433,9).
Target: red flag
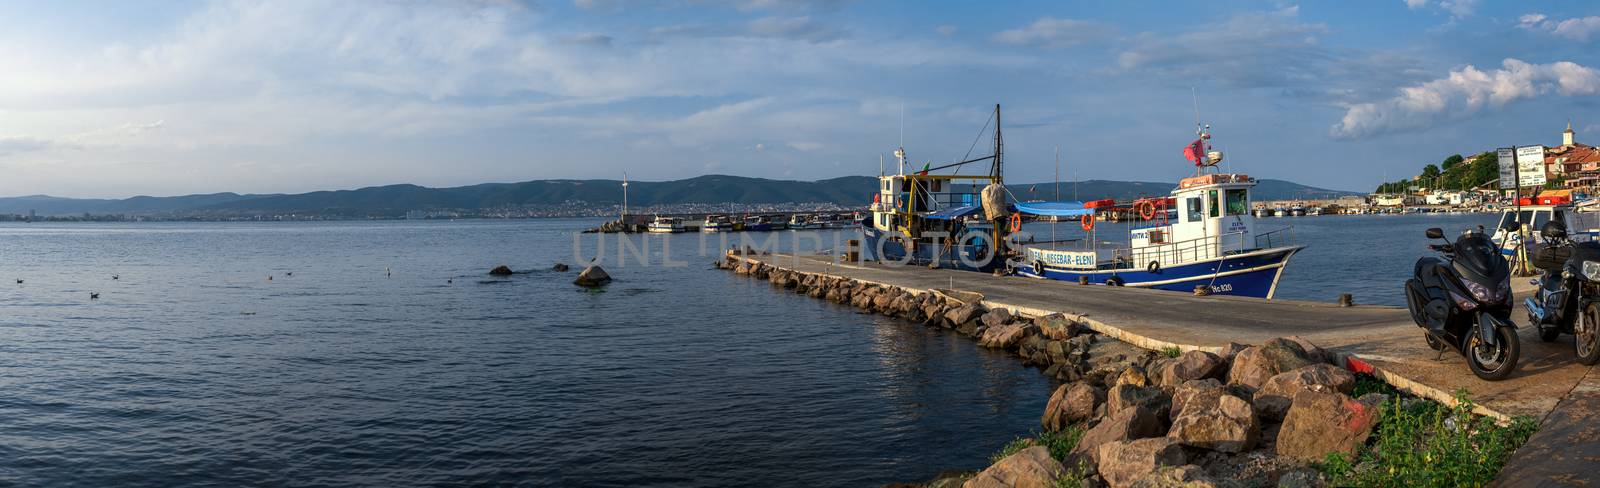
(1195,151)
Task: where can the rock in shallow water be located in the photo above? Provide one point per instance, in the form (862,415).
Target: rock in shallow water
(591,277)
(501,270)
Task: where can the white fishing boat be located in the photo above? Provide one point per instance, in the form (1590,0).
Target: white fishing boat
(804,222)
(666,225)
(1211,242)
(717,223)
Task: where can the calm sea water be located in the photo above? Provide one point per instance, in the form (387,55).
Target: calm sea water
(389,357)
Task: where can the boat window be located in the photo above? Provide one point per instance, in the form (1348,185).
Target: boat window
(1238,202)
(1195,214)
(1539,218)
(1211,203)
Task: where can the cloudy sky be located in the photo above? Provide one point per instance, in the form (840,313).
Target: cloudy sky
(124,98)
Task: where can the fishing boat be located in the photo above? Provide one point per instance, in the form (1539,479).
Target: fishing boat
(764,223)
(937,217)
(1297,210)
(717,223)
(803,222)
(1280,212)
(666,225)
(1211,245)
(1262,212)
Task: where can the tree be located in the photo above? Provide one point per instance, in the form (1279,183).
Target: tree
(1429,173)
(1451,162)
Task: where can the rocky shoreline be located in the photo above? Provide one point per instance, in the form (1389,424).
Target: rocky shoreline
(1254,415)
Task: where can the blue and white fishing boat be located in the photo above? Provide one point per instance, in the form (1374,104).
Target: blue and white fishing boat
(928,218)
(717,223)
(1211,244)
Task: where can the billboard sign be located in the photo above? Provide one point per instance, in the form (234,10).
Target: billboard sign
(1530,166)
(1508,167)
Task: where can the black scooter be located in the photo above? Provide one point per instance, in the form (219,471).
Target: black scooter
(1464,302)
(1568,299)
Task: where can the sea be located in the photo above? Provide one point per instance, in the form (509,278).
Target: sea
(383,354)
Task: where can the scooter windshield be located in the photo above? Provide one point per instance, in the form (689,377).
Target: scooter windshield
(1478,259)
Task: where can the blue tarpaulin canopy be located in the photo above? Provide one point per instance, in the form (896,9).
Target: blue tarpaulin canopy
(1054,209)
(953,213)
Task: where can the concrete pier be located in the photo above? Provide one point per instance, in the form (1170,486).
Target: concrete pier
(1548,385)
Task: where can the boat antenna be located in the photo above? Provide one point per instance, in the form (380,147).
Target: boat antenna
(1196,97)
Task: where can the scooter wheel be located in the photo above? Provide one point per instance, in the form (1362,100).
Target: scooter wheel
(1587,331)
(1493,363)
(1433,343)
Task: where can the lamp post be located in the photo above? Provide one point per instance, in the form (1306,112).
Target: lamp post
(624,217)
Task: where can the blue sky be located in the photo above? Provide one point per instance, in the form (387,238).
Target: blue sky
(123,98)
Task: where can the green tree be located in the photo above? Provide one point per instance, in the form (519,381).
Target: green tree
(1451,162)
(1429,173)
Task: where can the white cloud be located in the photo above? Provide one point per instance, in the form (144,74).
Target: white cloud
(945,30)
(806,146)
(1251,49)
(1579,29)
(1054,32)
(1456,8)
(1463,93)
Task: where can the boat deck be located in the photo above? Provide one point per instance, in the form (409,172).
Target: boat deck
(1382,336)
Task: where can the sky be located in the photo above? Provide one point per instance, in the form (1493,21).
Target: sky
(117,99)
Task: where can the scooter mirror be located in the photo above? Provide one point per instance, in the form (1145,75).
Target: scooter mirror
(1435,233)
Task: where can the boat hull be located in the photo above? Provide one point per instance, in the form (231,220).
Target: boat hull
(894,251)
(1252,274)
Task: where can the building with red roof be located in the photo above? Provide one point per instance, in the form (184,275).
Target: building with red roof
(1578,163)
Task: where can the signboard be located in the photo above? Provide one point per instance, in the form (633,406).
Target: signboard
(1063,259)
(1508,167)
(1530,166)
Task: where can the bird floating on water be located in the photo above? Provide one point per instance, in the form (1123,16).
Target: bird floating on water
(116,277)
(269,277)
(288,273)
(93,295)
(19,280)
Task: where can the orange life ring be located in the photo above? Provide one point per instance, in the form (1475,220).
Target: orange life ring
(1087,222)
(1016,222)
(1147,209)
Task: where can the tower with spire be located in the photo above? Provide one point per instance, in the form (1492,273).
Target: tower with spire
(1566,135)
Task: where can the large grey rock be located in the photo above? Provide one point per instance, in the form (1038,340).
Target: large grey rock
(1253,366)
(1132,375)
(1322,422)
(1004,336)
(1071,404)
(1152,398)
(1029,468)
(996,317)
(1272,400)
(1121,463)
(1193,365)
(965,313)
(1057,326)
(501,270)
(1131,423)
(1212,419)
(592,276)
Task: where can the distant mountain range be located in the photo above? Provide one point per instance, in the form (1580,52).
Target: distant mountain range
(397,200)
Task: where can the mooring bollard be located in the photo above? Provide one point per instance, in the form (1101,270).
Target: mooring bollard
(1346,300)
(1083,280)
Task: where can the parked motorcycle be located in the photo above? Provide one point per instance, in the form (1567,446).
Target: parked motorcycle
(1568,298)
(1463,302)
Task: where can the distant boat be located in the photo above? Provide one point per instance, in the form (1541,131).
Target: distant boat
(717,223)
(1280,212)
(666,225)
(764,223)
(803,222)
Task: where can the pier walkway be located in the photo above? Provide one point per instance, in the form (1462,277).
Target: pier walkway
(1548,384)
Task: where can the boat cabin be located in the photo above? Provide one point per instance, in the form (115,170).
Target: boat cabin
(1212,219)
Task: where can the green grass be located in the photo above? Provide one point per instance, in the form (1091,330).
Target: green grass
(1171,351)
(1060,443)
(1426,444)
(1366,383)
(1010,448)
